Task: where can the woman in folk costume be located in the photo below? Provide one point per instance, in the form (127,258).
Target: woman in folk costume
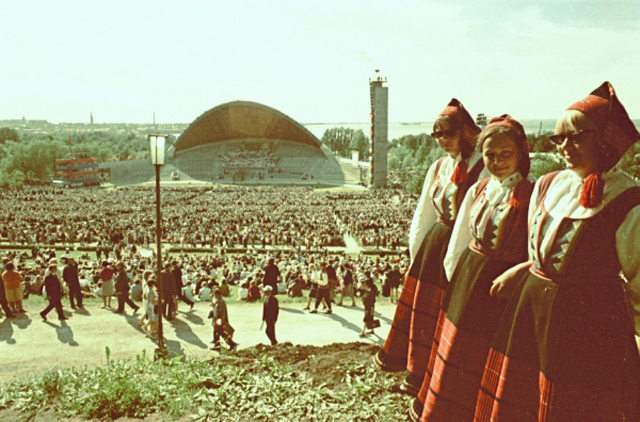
(489,237)
(408,344)
(565,349)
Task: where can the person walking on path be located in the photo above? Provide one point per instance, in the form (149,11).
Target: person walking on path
(347,285)
(151,308)
(394,277)
(54,293)
(122,290)
(177,278)
(13,288)
(70,277)
(270,311)
(3,302)
(323,294)
(369,294)
(168,292)
(333,280)
(221,326)
(106,276)
(314,276)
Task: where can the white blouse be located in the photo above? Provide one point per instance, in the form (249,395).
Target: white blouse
(473,218)
(435,191)
(562,201)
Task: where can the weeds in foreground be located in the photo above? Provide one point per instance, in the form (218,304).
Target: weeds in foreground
(264,390)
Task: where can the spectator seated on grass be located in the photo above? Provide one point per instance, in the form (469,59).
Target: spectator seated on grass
(282,288)
(97,292)
(243,291)
(225,291)
(26,287)
(295,287)
(254,292)
(205,292)
(187,291)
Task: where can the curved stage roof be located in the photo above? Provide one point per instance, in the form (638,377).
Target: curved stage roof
(243,120)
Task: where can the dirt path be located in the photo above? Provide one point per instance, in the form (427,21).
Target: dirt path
(30,347)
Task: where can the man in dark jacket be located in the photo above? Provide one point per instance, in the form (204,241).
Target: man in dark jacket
(271,275)
(333,280)
(122,290)
(70,276)
(168,291)
(221,326)
(54,293)
(270,311)
(394,278)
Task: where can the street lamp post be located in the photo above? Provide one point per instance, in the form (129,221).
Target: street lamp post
(156,154)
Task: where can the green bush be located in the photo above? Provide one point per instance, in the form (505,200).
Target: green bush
(264,389)
(542,164)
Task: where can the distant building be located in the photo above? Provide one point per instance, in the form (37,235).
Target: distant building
(379,95)
(244,140)
(77,170)
(481,120)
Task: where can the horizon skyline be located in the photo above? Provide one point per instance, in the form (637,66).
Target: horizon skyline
(125,60)
(96,123)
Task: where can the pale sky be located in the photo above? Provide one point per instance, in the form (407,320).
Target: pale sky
(126,59)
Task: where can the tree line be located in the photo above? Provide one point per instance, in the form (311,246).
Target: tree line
(27,156)
(342,141)
(30,157)
(410,156)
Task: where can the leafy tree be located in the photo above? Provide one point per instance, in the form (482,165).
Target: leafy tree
(540,143)
(343,140)
(422,153)
(338,140)
(408,162)
(543,163)
(393,163)
(8,134)
(359,142)
(35,158)
(414,154)
(416,181)
(434,155)
(124,154)
(14,178)
(630,162)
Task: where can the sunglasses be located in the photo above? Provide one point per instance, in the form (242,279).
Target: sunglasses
(449,133)
(575,137)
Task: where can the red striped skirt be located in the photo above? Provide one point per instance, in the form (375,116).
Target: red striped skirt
(407,346)
(459,352)
(393,355)
(562,352)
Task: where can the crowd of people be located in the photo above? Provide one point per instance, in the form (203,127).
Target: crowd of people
(242,157)
(520,298)
(378,218)
(223,217)
(129,277)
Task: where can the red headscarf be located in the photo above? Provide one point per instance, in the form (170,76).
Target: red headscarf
(520,193)
(469,132)
(520,139)
(615,128)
